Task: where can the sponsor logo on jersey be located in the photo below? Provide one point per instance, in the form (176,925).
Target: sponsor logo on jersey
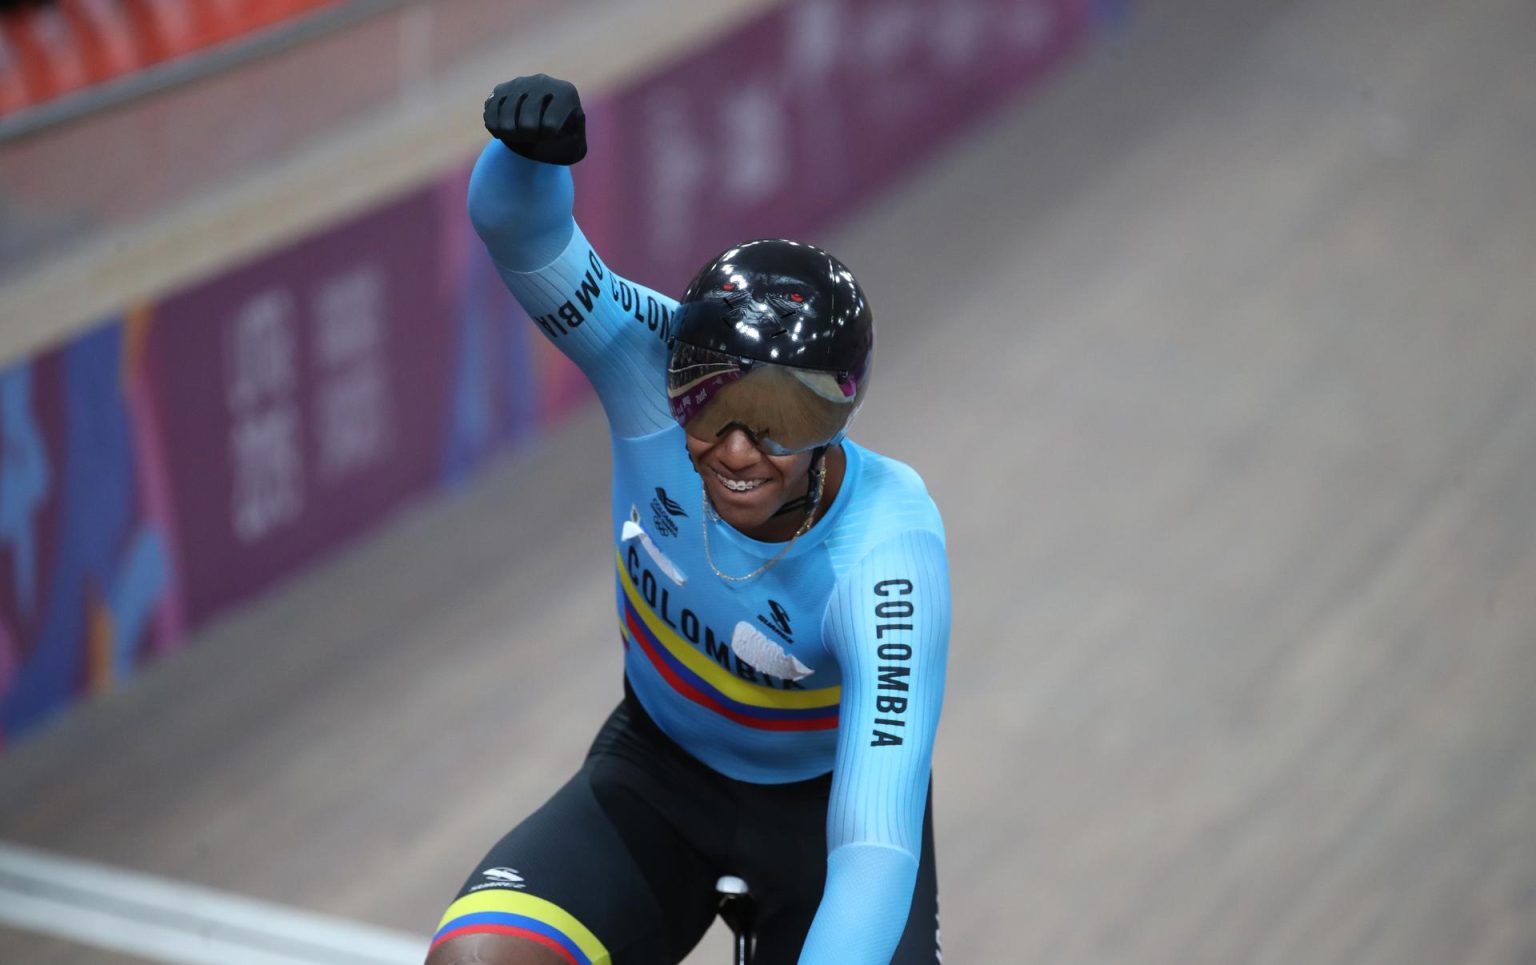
(504,874)
(664,508)
(778,622)
(767,657)
(632,530)
(500,878)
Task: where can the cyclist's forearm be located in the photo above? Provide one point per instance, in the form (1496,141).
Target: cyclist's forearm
(864,907)
(520,208)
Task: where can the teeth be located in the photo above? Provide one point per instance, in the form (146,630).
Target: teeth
(739,485)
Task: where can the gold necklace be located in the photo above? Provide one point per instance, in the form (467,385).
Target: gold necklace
(810,517)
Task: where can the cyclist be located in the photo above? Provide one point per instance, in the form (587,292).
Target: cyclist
(783,602)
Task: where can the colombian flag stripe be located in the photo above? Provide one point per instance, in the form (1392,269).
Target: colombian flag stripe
(689,685)
(503,911)
(553,944)
(715,679)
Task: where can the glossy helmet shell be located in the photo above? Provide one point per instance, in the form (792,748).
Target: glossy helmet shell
(781,302)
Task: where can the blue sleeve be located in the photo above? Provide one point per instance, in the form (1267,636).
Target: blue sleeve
(888,625)
(614,330)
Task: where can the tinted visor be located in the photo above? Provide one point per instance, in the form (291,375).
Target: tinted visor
(785,410)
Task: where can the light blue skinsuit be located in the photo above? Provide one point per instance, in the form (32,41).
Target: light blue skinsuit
(832,659)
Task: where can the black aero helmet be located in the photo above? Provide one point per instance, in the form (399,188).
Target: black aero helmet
(775,337)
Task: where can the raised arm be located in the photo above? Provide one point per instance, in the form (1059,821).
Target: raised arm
(888,624)
(521,209)
(520,202)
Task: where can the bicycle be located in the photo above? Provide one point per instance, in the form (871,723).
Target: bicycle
(737,911)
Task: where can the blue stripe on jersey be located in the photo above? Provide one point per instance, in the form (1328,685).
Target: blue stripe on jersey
(510,920)
(696,689)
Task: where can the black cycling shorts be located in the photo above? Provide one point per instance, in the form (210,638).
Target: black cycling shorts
(620,865)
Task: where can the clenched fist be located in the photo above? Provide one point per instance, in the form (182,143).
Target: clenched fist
(539,117)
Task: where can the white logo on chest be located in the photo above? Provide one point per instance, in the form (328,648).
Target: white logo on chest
(633,530)
(762,654)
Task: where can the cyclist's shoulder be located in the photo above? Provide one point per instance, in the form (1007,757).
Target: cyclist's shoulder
(888,506)
(891,494)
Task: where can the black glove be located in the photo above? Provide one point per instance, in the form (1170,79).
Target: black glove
(539,117)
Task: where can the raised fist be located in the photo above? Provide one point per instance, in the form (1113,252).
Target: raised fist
(539,117)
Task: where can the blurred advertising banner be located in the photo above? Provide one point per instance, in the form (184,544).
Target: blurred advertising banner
(299,399)
(795,121)
(193,452)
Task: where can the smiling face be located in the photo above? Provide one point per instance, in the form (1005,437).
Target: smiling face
(747,486)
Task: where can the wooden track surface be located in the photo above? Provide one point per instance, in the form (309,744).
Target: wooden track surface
(1220,358)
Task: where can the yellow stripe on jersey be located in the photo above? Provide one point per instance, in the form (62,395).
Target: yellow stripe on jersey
(508,901)
(715,675)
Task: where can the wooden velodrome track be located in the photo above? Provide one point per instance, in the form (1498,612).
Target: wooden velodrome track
(1220,358)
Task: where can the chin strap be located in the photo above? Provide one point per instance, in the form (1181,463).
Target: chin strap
(816,476)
